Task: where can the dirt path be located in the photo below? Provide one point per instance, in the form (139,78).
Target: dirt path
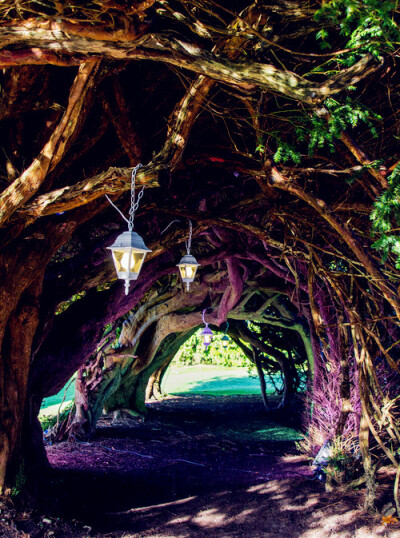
(197,466)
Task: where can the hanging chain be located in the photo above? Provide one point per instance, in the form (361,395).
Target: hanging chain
(204,321)
(134,204)
(189,241)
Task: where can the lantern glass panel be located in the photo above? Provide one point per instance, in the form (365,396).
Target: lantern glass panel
(188,271)
(207,338)
(128,261)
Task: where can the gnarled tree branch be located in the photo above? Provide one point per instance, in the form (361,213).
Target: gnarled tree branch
(29,182)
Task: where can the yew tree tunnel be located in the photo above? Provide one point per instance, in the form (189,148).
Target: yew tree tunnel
(123,376)
(273,128)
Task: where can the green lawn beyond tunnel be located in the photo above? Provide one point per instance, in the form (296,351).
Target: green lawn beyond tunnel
(211,381)
(207,379)
(200,379)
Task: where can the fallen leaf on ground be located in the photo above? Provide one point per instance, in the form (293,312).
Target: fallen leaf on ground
(389,520)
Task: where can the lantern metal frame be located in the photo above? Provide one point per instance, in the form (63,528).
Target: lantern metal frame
(206,332)
(188,264)
(225,339)
(129,250)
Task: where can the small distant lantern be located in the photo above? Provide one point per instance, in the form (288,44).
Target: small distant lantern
(188,264)
(206,333)
(129,250)
(225,339)
(187,268)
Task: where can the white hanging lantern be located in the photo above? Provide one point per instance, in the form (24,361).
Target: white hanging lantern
(129,250)
(188,264)
(187,268)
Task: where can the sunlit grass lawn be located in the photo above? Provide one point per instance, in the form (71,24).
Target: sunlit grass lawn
(205,379)
(208,379)
(51,405)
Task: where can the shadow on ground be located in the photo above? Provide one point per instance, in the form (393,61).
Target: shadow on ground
(199,466)
(287,508)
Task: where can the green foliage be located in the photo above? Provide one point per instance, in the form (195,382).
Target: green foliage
(337,265)
(318,130)
(104,287)
(386,212)
(344,463)
(20,480)
(62,307)
(286,152)
(193,352)
(254,327)
(107,329)
(48,421)
(321,131)
(117,334)
(322,36)
(369,26)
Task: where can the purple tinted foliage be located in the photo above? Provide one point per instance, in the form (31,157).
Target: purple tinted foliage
(325,403)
